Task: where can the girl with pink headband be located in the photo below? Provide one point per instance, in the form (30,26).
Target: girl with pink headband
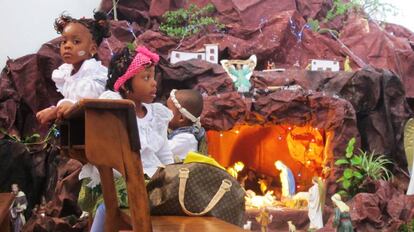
(131,76)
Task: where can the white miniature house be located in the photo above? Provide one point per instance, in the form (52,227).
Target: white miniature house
(210,54)
(325,65)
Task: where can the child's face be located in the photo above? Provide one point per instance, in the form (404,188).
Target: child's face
(77,44)
(144,86)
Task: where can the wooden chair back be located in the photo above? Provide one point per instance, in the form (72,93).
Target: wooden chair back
(105,134)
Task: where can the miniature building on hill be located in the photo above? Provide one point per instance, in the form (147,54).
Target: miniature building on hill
(325,65)
(209,54)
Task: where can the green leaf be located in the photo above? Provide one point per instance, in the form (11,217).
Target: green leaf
(348,173)
(350,148)
(186,22)
(340,179)
(343,193)
(356,160)
(346,184)
(131,46)
(358,175)
(341,161)
(32,138)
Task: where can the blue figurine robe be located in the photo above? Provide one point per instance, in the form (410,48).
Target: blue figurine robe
(291,180)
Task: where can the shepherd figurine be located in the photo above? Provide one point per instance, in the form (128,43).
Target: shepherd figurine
(342,219)
(264,219)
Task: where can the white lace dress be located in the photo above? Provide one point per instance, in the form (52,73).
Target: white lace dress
(88,82)
(152,128)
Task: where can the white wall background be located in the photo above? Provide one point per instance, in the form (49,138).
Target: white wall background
(405,16)
(27,24)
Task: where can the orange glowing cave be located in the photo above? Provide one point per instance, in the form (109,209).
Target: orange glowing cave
(304,149)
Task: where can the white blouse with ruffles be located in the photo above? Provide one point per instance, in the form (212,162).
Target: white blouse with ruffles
(88,82)
(152,129)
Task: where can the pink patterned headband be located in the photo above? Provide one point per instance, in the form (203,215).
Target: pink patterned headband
(142,58)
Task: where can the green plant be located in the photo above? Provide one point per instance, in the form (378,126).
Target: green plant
(351,177)
(186,22)
(34,139)
(131,47)
(374,9)
(409,227)
(375,166)
(313,24)
(339,7)
(358,167)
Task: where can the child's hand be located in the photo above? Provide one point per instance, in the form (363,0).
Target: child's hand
(46,115)
(63,108)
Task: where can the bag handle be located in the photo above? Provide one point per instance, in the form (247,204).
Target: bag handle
(183,175)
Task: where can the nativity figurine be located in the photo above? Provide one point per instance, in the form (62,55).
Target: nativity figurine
(316,203)
(18,208)
(342,218)
(264,219)
(287,180)
(240,72)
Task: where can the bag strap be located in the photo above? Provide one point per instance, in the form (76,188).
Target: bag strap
(183,175)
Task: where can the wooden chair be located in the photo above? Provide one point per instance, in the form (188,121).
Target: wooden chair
(105,133)
(6,200)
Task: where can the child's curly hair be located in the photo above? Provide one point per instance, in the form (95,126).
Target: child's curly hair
(98,27)
(117,67)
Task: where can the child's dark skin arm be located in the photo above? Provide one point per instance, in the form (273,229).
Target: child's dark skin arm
(63,109)
(46,115)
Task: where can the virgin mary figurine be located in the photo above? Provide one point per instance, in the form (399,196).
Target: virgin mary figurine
(287,179)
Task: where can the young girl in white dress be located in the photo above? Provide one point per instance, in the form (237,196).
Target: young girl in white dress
(81,76)
(131,76)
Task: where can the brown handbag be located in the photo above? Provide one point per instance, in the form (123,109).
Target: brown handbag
(196,189)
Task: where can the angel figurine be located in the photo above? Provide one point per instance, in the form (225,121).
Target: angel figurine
(342,219)
(240,72)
